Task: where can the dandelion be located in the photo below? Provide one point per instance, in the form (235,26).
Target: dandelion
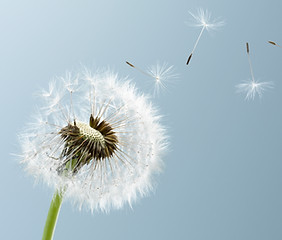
(253,87)
(203,20)
(161,74)
(99,145)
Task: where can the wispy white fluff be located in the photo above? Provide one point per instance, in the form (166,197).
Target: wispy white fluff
(203,19)
(252,88)
(142,141)
(162,75)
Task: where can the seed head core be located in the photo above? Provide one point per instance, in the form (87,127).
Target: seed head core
(84,143)
(88,132)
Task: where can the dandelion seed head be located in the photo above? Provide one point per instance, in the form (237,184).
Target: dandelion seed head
(253,88)
(203,19)
(104,147)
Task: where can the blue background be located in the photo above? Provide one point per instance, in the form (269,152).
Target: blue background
(223,175)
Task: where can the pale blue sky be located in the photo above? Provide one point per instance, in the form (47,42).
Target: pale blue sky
(223,174)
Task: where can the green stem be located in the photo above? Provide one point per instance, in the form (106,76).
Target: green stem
(53,213)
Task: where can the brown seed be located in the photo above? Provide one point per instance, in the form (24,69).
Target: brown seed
(189,58)
(272,42)
(131,65)
(248,50)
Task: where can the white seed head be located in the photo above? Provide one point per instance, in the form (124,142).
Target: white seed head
(103,143)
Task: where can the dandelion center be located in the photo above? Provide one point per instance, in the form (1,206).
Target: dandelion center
(90,133)
(84,143)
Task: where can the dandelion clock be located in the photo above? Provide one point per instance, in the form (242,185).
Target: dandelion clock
(95,140)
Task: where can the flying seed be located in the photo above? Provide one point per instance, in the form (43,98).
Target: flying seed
(203,19)
(252,87)
(160,73)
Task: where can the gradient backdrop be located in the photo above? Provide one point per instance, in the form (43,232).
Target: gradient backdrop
(223,175)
